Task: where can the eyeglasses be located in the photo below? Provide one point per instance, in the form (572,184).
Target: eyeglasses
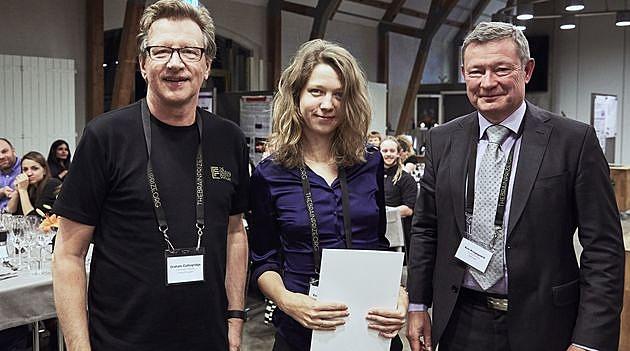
(165,53)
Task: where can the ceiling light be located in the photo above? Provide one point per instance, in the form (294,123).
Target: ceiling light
(623,19)
(520,25)
(567,22)
(574,5)
(525,11)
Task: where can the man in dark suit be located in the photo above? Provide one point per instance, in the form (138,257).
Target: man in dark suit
(503,192)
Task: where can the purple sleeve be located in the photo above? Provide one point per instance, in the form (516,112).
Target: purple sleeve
(264,233)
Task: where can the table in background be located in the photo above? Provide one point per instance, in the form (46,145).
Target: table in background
(28,299)
(620,176)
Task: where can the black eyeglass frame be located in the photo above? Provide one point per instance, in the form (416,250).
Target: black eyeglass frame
(148,51)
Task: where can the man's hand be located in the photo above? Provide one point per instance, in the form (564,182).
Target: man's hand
(235,330)
(575,348)
(388,323)
(419,331)
(5,191)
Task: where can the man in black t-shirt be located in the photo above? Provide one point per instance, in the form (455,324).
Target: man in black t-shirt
(159,187)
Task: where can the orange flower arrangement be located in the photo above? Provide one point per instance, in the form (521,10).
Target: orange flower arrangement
(49,223)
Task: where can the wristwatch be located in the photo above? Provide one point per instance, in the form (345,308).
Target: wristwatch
(240,314)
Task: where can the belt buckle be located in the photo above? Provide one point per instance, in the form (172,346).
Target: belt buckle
(497,303)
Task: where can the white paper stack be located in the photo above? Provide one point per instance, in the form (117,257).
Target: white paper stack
(362,280)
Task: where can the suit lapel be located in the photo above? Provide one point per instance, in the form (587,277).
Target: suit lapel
(533,145)
(460,151)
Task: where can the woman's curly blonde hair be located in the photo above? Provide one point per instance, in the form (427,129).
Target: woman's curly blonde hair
(348,141)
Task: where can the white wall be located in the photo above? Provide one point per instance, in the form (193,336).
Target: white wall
(593,58)
(53,29)
(360,40)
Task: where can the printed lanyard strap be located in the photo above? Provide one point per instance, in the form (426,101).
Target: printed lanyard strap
(505,179)
(308,200)
(160,215)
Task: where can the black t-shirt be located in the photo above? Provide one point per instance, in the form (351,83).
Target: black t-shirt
(130,306)
(404,192)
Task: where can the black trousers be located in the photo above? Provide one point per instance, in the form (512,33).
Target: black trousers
(281,345)
(474,326)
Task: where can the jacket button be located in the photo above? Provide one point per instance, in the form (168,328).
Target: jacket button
(508,247)
(454,288)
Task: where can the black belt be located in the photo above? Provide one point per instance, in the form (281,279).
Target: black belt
(493,301)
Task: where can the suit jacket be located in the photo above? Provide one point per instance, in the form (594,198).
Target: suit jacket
(562,183)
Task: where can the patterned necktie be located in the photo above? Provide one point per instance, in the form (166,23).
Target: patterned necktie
(487,186)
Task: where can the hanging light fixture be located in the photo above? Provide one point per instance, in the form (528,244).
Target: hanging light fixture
(574,5)
(567,22)
(623,19)
(525,11)
(520,25)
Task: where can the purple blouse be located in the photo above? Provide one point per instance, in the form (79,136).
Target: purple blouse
(280,236)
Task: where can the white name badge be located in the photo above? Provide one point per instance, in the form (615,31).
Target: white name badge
(184,266)
(313,291)
(474,255)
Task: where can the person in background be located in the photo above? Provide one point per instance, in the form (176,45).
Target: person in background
(401,188)
(407,154)
(34,188)
(321,113)
(374,138)
(9,169)
(59,159)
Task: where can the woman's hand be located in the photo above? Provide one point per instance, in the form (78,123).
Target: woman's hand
(21,182)
(62,174)
(313,314)
(388,322)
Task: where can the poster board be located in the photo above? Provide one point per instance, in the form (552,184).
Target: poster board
(255,121)
(206,100)
(604,120)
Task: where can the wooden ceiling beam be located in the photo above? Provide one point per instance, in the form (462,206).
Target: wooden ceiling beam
(298,8)
(438,12)
(392,10)
(402,29)
(274,42)
(472,19)
(95,48)
(122,94)
(405,11)
(324,10)
(459,37)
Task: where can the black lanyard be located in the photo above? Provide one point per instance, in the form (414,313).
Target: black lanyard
(505,180)
(308,199)
(160,215)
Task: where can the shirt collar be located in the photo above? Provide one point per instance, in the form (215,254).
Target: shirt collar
(512,122)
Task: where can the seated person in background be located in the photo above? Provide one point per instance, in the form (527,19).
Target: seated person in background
(9,169)
(34,188)
(375,138)
(59,159)
(400,187)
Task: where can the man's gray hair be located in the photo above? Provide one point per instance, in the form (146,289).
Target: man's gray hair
(490,31)
(178,10)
